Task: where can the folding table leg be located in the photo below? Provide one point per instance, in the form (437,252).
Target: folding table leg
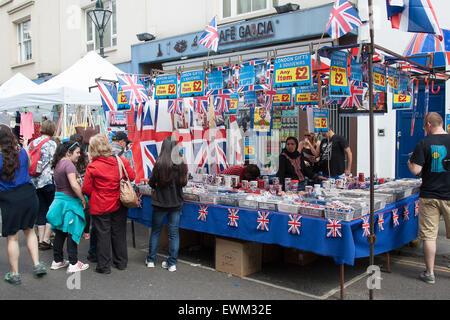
(133,234)
(387,267)
(342,282)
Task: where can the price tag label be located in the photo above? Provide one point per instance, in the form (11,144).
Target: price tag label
(192,87)
(379,77)
(401,102)
(166,89)
(307,95)
(320,117)
(292,74)
(282,98)
(338,76)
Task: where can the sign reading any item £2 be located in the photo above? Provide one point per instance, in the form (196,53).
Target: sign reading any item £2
(192,84)
(166,87)
(293,71)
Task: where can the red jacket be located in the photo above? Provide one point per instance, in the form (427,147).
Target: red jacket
(101,184)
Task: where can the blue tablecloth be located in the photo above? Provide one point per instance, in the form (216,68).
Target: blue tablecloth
(313,231)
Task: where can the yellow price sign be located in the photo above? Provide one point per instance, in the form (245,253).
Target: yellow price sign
(393,83)
(192,87)
(402,98)
(320,123)
(307,97)
(249,150)
(233,104)
(282,98)
(379,79)
(292,74)
(122,98)
(166,89)
(338,76)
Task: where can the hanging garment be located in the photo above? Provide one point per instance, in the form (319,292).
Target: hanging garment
(26,125)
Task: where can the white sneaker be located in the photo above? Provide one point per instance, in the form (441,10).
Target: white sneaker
(58,265)
(172,268)
(166,266)
(79,266)
(149,264)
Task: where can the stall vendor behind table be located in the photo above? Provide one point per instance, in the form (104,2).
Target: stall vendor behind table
(333,149)
(249,172)
(292,164)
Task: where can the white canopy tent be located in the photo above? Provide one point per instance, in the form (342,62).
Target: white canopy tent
(16,84)
(70,87)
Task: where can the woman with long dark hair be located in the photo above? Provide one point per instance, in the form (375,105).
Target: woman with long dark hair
(291,165)
(19,204)
(168,178)
(66,214)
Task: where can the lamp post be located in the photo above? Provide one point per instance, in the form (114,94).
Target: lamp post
(100,17)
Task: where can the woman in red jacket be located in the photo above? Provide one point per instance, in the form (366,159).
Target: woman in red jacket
(101,185)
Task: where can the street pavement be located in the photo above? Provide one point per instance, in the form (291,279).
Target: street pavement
(196,278)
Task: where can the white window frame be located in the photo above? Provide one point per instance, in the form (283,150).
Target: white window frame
(234,13)
(107,5)
(21,53)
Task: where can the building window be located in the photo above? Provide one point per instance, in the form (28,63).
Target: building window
(110,34)
(24,41)
(232,8)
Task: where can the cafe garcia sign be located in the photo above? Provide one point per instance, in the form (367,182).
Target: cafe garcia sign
(249,31)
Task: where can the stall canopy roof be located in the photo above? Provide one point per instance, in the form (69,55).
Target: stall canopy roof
(16,84)
(69,87)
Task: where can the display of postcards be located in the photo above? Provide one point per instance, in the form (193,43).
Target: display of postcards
(268,205)
(191,197)
(227,76)
(288,208)
(228,200)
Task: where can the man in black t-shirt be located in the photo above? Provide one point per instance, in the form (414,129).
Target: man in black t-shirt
(431,160)
(333,150)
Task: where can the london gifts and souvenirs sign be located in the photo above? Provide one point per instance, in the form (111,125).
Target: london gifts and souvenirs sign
(166,87)
(339,86)
(192,84)
(292,71)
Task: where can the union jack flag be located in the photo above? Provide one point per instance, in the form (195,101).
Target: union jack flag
(229,84)
(263,221)
(366,226)
(413,16)
(133,88)
(218,147)
(356,97)
(294,224)
(175,106)
(380,222)
(334,228)
(203,213)
(343,19)
(109,94)
(395,217)
(406,213)
(201,105)
(416,208)
(233,217)
(221,103)
(200,148)
(210,38)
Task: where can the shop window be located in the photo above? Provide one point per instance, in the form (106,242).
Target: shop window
(232,8)
(24,41)
(110,34)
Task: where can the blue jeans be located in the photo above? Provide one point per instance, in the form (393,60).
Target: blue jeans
(173,221)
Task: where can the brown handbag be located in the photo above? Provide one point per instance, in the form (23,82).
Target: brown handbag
(87,132)
(128,196)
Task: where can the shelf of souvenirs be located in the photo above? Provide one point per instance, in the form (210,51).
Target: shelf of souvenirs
(342,199)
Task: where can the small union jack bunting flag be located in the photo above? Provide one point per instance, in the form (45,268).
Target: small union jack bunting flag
(263,221)
(395,217)
(334,228)
(416,208)
(294,224)
(380,222)
(233,217)
(202,213)
(366,226)
(406,213)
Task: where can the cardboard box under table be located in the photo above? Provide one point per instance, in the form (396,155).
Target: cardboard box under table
(238,257)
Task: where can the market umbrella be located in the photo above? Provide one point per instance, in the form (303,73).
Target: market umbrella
(427,43)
